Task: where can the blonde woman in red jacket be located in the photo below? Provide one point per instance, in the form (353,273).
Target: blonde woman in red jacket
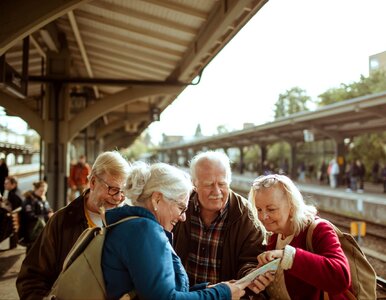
(302,274)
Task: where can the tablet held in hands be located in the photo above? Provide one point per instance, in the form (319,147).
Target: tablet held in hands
(271,266)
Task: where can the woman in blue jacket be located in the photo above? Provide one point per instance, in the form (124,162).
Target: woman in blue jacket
(138,256)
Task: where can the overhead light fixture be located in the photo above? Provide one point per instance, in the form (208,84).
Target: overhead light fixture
(131,127)
(155,113)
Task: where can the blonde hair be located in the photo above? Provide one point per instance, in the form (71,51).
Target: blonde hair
(110,162)
(302,213)
(145,179)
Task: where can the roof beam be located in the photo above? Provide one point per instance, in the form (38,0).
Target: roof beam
(19,18)
(131,44)
(82,50)
(37,46)
(190,11)
(149,34)
(130,12)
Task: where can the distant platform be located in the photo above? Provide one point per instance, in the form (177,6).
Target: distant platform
(368,206)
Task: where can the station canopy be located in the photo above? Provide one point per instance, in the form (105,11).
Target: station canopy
(115,48)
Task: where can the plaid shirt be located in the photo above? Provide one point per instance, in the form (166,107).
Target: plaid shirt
(204,261)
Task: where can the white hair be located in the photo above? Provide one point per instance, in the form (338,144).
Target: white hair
(145,179)
(211,156)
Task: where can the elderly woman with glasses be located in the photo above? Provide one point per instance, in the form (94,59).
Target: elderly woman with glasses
(302,274)
(138,258)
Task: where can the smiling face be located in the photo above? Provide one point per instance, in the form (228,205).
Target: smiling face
(211,186)
(105,190)
(273,209)
(170,212)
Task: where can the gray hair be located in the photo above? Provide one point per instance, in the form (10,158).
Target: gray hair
(212,156)
(144,179)
(302,213)
(112,163)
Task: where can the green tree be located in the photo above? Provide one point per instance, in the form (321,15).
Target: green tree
(375,83)
(368,148)
(292,101)
(222,129)
(139,149)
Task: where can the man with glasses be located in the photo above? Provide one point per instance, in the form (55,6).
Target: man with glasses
(220,239)
(44,261)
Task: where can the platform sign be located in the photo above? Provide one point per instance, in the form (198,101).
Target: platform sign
(358,229)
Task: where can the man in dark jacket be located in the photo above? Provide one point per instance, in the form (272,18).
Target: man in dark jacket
(15,201)
(14,196)
(44,261)
(220,239)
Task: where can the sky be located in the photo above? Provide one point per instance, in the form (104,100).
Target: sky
(313,44)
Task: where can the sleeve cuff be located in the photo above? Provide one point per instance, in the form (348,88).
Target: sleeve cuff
(288,257)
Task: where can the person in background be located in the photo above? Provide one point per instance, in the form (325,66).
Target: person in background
(333,173)
(152,270)
(347,176)
(220,239)
(78,179)
(14,201)
(361,175)
(375,172)
(323,172)
(14,196)
(35,213)
(302,274)
(44,261)
(3,174)
(301,171)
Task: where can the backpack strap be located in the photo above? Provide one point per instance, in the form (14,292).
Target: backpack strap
(311,228)
(310,248)
(121,221)
(310,231)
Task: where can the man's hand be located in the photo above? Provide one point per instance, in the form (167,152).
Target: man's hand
(261,282)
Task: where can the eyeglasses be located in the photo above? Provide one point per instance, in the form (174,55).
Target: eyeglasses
(111,190)
(264,181)
(182,207)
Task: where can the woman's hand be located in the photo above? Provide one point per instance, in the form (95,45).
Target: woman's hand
(261,282)
(268,256)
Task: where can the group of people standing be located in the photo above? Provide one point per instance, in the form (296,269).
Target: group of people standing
(353,175)
(28,212)
(192,236)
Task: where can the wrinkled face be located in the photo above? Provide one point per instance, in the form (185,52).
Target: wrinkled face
(211,185)
(273,209)
(170,212)
(106,191)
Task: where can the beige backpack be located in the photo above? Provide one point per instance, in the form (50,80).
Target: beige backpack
(363,276)
(81,276)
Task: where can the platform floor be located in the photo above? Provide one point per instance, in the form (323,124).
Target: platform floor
(10,263)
